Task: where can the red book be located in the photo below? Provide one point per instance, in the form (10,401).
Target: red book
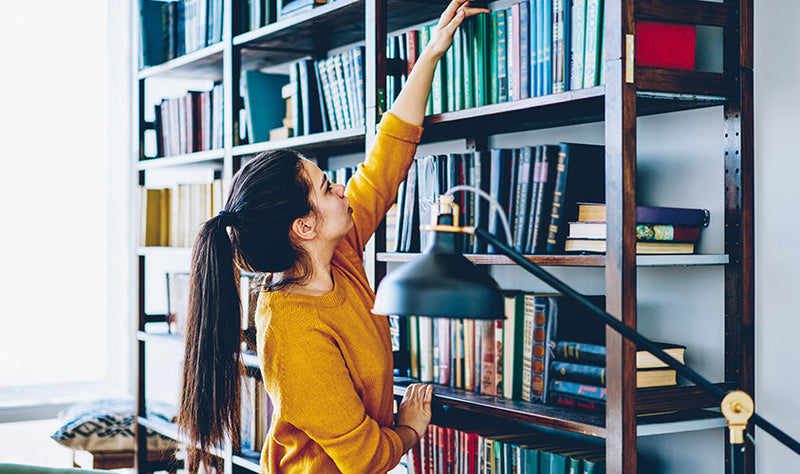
(412,49)
(666,45)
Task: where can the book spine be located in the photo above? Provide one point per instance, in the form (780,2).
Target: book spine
(581,373)
(512,46)
(591,47)
(559,27)
(468,63)
(592,392)
(502,78)
(491,40)
(479,38)
(581,353)
(524,49)
(577,43)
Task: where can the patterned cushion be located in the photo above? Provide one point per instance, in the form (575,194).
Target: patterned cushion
(108,425)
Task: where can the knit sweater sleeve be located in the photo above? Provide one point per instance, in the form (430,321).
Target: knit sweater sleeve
(373,188)
(318,397)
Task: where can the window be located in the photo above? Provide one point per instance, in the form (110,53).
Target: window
(59,170)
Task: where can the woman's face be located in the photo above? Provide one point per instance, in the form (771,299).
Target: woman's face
(334,217)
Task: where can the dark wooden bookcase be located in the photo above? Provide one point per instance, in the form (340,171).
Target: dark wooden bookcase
(629,92)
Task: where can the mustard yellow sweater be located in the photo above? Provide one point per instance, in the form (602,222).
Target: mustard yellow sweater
(327,360)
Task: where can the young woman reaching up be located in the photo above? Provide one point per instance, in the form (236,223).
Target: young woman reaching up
(326,360)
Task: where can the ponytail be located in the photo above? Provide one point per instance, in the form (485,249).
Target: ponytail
(210,397)
(251,234)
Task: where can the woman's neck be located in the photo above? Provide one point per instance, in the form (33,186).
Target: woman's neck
(319,280)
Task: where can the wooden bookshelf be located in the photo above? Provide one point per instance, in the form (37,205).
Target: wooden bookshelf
(616,105)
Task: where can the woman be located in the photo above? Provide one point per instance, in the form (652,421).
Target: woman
(326,360)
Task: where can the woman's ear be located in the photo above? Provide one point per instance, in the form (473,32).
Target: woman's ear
(304,228)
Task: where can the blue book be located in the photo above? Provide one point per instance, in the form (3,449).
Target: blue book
(524,49)
(548,47)
(265,108)
(358,64)
(540,41)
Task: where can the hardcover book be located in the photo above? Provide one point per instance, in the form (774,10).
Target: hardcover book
(596,211)
(580,174)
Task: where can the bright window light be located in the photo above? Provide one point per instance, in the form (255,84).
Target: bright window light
(53,193)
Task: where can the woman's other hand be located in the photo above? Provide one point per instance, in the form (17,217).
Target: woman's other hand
(415,408)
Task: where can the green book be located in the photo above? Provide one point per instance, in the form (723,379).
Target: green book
(491,41)
(458,69)
(594,21)
(468,68)
(577,45)
(450,84)
(424,38)
(438,86)
(265,108)
(479,58)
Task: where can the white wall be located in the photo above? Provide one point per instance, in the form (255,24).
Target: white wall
(777,102)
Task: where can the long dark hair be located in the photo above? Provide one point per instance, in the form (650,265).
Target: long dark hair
(250,234)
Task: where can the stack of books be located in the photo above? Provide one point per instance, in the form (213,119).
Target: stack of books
(578,373)
(659,230)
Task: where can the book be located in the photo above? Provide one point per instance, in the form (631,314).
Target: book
(593,28)
(665,45)
(690,217)
(539,326)
(263,103)
(578,38)
(643,248)
(596,375)
(644,232)
(544,181)
(293,7)
(577,402)
(309,94)
(177,301)
(595,354)
(592,392)
(580,173)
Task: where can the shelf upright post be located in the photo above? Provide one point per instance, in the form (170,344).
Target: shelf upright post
(620,272)
(375,25)
(231,70)
(739,204)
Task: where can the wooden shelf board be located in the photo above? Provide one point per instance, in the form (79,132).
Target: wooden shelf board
(163,338)
(314,32)
(697,12)
(690,401)
(250,460)
(332,25)
(544,415)
(598,260)
(565,108)
(170,430)
(250,359)
(207,158)
(680,422)
(337,141)
(204,63)
(156,251)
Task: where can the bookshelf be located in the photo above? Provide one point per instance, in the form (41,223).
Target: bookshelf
(616,105)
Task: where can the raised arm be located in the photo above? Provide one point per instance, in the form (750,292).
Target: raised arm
(374,187)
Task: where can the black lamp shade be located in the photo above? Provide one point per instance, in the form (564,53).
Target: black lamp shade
(440,283)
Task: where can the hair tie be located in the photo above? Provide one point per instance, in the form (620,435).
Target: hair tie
(225,216)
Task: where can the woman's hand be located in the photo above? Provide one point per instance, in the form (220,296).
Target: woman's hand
(415,408)
(453,16)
